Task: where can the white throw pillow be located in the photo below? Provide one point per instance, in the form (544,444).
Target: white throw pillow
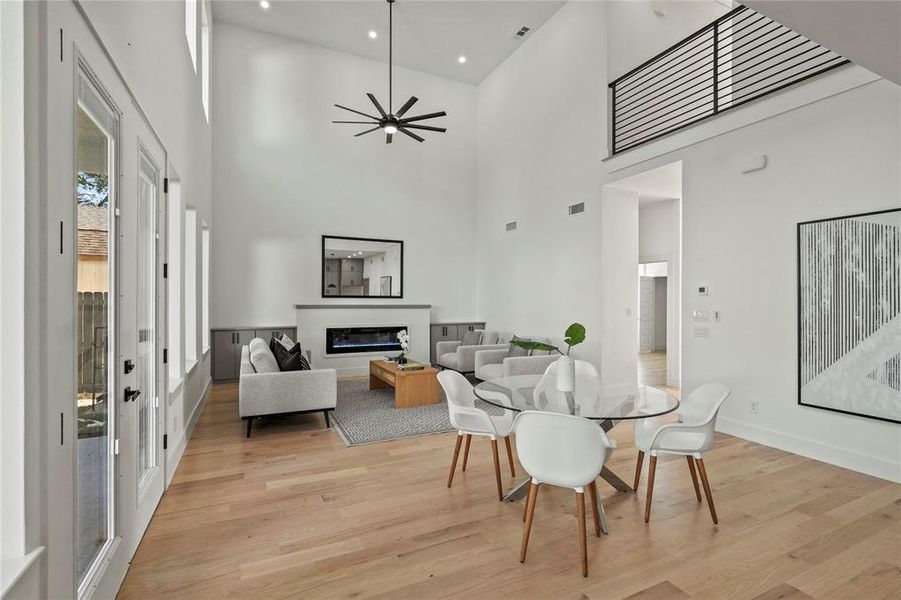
(286,342)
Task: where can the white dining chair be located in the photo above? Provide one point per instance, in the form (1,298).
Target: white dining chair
(547,385)
(469,421)
(564,451)
(691,437)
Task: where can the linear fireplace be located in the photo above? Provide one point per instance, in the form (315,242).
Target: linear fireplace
(359,340)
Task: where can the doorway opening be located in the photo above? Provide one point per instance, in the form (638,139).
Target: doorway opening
(652,312)
(641,239)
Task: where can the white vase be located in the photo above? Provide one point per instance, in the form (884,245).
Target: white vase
(566,374)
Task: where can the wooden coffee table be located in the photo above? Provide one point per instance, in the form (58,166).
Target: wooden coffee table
(411,388)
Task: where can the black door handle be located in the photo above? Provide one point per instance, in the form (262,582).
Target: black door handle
(131,395)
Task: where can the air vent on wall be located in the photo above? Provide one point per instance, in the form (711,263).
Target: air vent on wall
(511,225)
(575,209)
(523,32)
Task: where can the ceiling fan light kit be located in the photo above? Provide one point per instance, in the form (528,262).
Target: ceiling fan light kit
(389,121)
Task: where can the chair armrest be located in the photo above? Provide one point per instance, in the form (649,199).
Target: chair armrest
(446,347)
(490,357)
(704,432)
(288,391)
(466,355)
(472,419)
(527,365)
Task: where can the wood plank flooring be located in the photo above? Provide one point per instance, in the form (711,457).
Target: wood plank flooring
(293,513)
(652,368)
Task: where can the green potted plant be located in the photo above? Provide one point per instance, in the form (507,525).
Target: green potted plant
(566,367)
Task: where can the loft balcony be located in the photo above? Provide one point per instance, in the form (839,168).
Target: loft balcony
(741,57)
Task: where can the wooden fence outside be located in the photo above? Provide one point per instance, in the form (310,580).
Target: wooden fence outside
(92,342)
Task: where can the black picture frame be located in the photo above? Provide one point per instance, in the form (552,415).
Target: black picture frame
(322,279)
(800,300)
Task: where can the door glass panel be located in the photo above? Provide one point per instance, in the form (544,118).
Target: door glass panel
(148,178)
(95,133)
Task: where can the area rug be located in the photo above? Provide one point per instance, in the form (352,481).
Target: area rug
(364,416)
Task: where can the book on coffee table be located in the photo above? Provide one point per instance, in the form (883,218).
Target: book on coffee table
(411,366)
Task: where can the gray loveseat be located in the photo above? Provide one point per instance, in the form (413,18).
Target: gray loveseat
(265,390)
(457,357)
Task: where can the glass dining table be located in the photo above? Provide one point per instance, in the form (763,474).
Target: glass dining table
(589,400)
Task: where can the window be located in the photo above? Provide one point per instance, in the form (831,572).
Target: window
(205,290)
(175,217)
(191,29)
(190,288)
(205,58)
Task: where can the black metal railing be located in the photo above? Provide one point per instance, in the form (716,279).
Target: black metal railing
(740,57)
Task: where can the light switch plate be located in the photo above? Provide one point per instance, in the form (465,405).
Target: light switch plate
(702,332)
(700,316)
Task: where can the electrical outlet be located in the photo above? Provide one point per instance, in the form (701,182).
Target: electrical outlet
(754,407)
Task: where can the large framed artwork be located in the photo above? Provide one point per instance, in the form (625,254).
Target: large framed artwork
(849,326)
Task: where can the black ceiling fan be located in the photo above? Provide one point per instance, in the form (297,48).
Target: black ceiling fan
(391,122)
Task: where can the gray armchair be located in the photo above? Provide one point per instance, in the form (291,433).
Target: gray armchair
(492,364)
(457,357)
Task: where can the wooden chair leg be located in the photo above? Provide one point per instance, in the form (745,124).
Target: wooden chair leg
(466,450)
(528,517)
(450,478)
(638,470)
(593,498)
(583,542)
(694,477)
(703,472)
(652,468)
(510,457)
(497,471)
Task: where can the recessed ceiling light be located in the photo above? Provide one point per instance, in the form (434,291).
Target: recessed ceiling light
(264,3)
(373,34)
(461,59)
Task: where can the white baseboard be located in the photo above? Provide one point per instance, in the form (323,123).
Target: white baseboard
(863,463)
(182,442)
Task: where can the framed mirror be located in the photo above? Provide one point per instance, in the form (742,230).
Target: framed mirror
(355,267)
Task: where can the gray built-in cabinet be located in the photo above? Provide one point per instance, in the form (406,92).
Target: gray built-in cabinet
(227,345)
(449,332)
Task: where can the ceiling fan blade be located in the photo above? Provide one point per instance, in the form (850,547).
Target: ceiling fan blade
(406,106)
(412,135)
(428,116)
(358,112)
(426,127)
(378,106)
(367,131)
(388,138)
(359,122)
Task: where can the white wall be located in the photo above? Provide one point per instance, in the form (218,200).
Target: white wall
(284,175)
(541,127)
(636,33)
(659,239)
(834,156)
(618,296)
(837,156)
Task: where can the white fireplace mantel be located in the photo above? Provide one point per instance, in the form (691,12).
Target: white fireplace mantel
(314,319)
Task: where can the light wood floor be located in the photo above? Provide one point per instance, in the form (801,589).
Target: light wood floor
(652,368)
(293,513)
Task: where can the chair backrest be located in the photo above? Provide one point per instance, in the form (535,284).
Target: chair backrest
(560,449)
(548,383)
(702,405)
(460,404)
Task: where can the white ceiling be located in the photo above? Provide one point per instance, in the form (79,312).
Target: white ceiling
(429,35)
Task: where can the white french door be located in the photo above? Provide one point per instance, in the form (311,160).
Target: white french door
(103,205)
